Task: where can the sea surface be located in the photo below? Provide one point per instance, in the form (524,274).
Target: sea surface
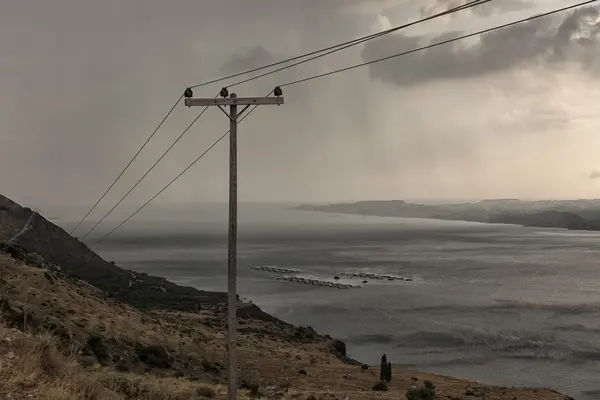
(499,304)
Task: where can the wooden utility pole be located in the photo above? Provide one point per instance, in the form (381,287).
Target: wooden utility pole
(232,101)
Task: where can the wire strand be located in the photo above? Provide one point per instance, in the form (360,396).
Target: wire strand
(334,50)
(310,78)
(354,67)
(178,176)
(330,49)
(146,174)
(128,165)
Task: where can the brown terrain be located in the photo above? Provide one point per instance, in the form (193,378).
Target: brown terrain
(74,326)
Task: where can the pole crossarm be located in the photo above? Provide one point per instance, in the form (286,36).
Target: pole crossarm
(229,116)
(233,101)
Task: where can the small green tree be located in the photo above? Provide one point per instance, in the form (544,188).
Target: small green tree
(389,372)
(383,368)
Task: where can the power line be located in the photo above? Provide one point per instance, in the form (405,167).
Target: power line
(128,165)
(339,47)
(333,49)
(328,50)
(146,174)
(358,66)
(310,78)
(177,177)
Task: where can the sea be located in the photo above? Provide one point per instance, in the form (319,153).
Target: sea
(499,304)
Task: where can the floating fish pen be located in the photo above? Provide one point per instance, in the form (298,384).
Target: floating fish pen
(276,269)
(371,275)
(316,282)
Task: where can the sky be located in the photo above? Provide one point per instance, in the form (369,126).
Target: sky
(509,114)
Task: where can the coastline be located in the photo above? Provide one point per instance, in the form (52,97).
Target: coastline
(577,215)
(130,314)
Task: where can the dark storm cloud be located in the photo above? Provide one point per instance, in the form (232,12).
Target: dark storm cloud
(486,9)
(542,42)
(106,72)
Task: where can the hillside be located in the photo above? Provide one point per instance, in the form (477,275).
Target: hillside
(39,236)
(63,336)
(573,214)
(114,335)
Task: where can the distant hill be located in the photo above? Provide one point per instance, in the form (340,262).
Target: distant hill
(567,214)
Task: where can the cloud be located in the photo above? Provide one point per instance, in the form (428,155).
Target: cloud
(255,57)
(486,9)
(550,43)
(595,175)
(101,91)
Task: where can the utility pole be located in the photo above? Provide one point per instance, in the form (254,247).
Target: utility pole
(233,102)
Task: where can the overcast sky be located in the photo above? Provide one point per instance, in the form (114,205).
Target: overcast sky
(511,114)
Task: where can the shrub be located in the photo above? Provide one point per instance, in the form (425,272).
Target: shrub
(206,392)
(425,393)
(380,386)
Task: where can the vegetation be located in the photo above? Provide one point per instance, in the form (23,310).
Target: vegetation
(427,392)
(38,366)
(385,370)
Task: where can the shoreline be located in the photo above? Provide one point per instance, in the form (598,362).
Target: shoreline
(553,219)
(454,220)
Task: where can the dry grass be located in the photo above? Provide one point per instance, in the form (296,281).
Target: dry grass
(32,367)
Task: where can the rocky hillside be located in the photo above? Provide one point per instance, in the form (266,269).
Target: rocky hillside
(37,296)
(37,235)
(72,327)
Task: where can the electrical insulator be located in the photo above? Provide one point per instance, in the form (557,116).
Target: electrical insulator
(224,92)
(188,93)
(277,92)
